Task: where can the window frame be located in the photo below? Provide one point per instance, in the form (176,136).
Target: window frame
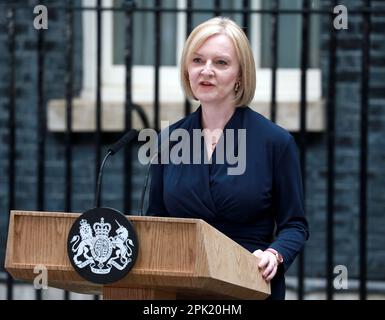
(113,76)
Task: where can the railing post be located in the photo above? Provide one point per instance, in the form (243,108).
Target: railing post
(303,132)
(157,47)
(129,6)
(69,78)
(11,126)
(187,105)
(98,106)
(331,158)
(274,61)
(364,148)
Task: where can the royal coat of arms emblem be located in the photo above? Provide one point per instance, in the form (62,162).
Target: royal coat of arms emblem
(101,245)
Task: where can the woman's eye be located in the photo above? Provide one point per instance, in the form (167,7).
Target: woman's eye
(222,62)
(197,60)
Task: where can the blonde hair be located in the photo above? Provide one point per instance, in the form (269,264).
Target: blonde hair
(209,28)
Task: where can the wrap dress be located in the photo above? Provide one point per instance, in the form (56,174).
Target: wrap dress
(261,207)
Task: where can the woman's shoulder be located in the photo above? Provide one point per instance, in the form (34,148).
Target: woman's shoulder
(184,123)
(266,129)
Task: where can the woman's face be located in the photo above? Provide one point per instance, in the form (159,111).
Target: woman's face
(213,71)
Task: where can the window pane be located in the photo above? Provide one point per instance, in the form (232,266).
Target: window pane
(289,36)
(143,46)
(198,18)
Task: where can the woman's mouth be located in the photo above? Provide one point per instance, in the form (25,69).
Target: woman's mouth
(206,84)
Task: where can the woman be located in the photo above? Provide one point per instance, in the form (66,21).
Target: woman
(261,208)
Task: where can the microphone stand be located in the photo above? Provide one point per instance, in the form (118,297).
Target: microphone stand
(145,184)
(99,182)
(128,137)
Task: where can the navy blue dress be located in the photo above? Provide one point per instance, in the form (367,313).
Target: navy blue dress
(261,208)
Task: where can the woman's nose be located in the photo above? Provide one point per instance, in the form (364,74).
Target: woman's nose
(207,69)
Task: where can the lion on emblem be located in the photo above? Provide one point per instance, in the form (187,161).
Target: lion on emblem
(85,244)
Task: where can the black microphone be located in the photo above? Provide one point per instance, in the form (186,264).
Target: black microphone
(127,138)
(130,135)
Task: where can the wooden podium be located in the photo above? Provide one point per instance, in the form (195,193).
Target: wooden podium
(178,259)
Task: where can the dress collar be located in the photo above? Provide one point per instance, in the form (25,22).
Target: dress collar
(235,121)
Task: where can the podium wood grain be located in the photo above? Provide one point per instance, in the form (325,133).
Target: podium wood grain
(177,258)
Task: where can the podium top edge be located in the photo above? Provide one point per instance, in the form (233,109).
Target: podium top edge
(130,217)
(44,213)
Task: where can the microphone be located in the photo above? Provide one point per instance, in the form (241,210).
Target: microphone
(127,138)
(130,135)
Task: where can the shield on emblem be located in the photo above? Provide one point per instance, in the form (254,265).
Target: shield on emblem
(102,249)
(102,245)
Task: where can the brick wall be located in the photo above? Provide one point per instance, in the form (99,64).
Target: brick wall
(27,123)
(347,188)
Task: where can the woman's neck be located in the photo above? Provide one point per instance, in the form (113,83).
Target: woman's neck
(215,117)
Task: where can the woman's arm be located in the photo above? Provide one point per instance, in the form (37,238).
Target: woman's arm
(292,227)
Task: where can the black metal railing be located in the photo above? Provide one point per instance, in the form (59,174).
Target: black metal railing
(129,8)
(331,159)
(11,126)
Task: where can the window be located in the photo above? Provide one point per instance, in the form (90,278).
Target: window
(173,37)
(289,36)
(143,38)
